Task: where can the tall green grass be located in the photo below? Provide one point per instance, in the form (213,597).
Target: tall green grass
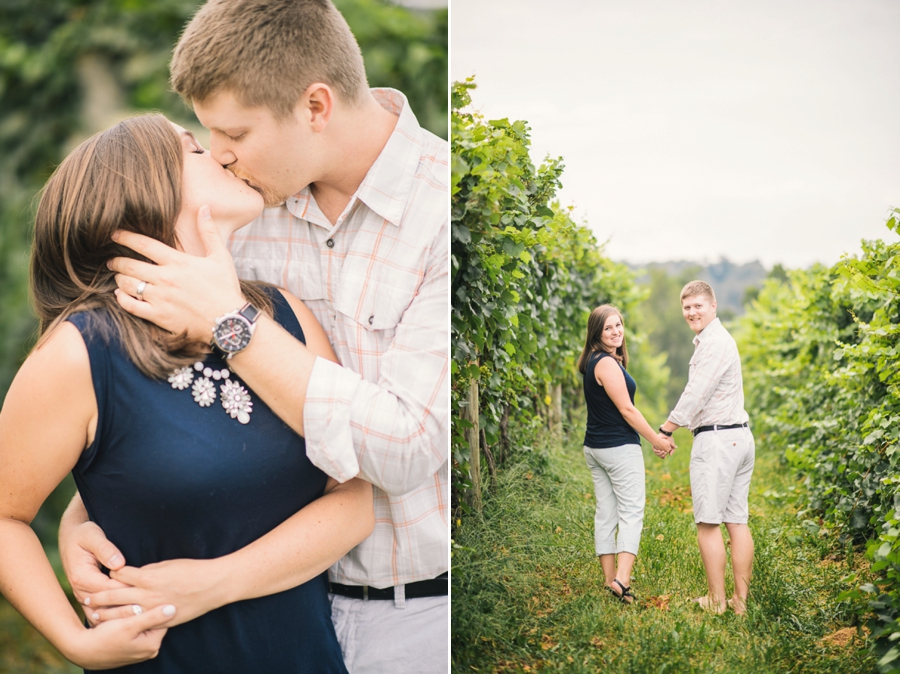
(528,593)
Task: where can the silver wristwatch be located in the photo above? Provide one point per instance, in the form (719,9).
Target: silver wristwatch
(233,331)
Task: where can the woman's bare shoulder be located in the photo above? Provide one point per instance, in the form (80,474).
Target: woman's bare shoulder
(62,347)
(58,366)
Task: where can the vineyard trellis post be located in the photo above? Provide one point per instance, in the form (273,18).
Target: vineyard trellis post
(473,437)
(556,408)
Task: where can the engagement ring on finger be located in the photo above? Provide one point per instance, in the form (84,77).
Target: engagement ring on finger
(137,609)
(141,287)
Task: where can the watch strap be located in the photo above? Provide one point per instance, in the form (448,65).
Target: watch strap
(250,311)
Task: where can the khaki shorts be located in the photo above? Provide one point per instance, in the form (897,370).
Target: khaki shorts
(721,467)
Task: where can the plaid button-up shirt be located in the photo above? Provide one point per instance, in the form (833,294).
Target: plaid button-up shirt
(715,392)
(377,281)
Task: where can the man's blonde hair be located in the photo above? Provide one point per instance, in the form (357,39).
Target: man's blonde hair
(698,288)
(267,53)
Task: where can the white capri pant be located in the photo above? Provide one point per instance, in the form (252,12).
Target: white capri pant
(619,488)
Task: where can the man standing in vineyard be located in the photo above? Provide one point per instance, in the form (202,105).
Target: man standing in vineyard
(712,406)
(357,229)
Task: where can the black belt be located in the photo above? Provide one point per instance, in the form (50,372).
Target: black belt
(719,427)
(435,587)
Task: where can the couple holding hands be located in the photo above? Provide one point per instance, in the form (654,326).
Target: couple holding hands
(722,456)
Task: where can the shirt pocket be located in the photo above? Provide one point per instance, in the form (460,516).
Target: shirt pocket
(372,303)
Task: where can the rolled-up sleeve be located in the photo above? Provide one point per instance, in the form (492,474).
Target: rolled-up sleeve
(393,433)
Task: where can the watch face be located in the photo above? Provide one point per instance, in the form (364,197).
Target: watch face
(232,334)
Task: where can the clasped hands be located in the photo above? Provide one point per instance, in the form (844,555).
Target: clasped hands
(664,445)
(193,586)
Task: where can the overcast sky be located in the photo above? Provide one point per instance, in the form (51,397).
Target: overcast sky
(751,129)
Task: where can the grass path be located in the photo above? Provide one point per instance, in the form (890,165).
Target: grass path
(527,590)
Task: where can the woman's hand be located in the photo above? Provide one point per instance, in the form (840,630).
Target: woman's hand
(184,292)
(120,642)
(193,585)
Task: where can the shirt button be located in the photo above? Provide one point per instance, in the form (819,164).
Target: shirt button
(371,319)
(330,243)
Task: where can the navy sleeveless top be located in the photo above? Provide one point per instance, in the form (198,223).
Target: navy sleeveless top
(606,427)
(166,478)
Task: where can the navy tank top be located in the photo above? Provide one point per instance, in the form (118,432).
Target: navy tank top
(166,478)
(606,427)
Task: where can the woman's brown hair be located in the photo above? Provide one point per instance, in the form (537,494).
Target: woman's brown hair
(592,343)
(128,177)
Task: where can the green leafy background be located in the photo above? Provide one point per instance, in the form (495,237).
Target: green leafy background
(822,376)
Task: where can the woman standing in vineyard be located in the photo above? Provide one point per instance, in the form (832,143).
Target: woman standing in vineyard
(612,448)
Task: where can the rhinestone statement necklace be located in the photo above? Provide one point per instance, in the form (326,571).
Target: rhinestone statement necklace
(235,398)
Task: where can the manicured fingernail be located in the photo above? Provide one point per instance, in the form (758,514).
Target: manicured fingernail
(204,213)
(115,560)
(137,609)
(87,601)
(169,610)
(95,616)
(115,235)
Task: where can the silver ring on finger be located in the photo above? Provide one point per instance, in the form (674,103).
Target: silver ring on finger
(137,609)
(141,287)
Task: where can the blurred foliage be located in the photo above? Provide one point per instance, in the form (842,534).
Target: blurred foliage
(821,349)
(405,50)
(24,651)
(524,279)
(667,332)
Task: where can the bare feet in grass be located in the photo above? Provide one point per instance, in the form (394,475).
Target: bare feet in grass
(738,605)
(708,604)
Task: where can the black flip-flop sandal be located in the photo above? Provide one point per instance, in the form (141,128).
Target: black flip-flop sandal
(626,592)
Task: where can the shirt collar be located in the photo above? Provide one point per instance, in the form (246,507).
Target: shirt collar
(389,181)
(387,185)
(713,326)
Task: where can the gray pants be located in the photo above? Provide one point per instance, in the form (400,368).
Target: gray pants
(378,636)
(619,488)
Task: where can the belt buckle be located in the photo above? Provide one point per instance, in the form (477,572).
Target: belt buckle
(365,592)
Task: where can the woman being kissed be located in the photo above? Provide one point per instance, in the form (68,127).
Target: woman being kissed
(174,457)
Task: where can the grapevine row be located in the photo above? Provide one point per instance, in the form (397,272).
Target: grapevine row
(822,374)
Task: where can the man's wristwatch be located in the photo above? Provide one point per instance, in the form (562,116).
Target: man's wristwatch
(233,331)
(665,432)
